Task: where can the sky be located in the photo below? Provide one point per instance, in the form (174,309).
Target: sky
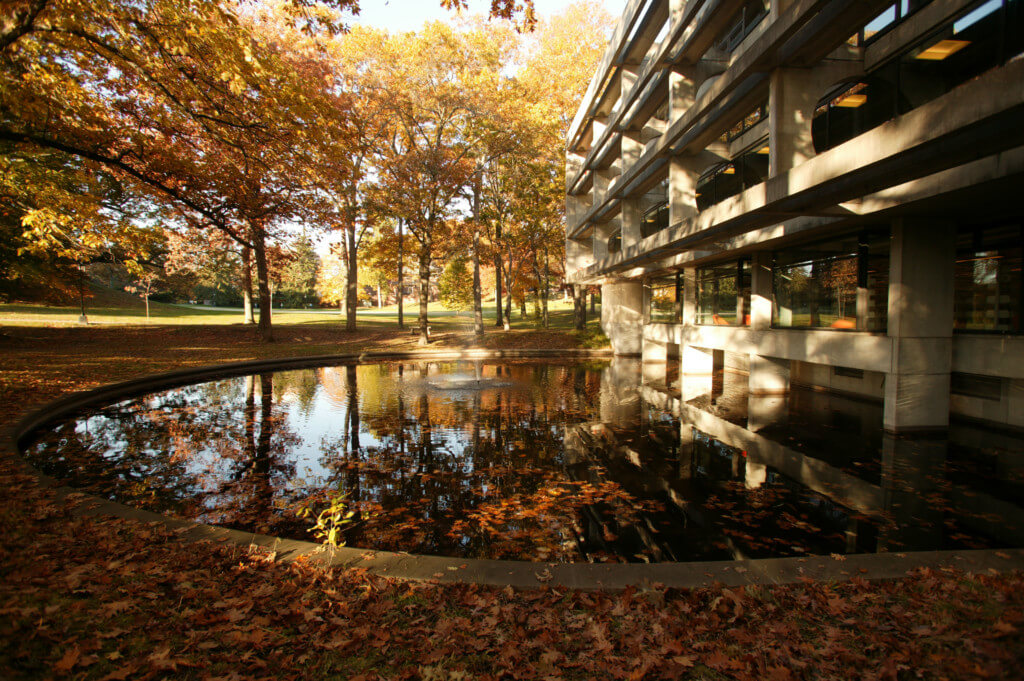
(409,15)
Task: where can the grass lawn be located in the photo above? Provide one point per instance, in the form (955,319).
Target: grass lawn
(115,307)
(100,598)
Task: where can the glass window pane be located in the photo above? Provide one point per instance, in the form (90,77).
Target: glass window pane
(723,294)
(988,281)
(663,302)
(820,286)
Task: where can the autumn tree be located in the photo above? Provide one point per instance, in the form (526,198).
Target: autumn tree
(332,279)
(456,285)
(429,159)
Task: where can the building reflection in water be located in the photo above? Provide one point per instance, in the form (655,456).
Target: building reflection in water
(549,461)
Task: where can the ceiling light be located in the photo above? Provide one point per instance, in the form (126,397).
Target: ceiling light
(943,49)
(851,101)
(729,171)
(764,150)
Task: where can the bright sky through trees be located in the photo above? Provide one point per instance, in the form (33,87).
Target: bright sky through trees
(409,15)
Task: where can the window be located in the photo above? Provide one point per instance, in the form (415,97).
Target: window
(747,122)
(728,179)
(842,285)
(723,294)
(743,22)
(890,16)
(655,219)
(988,281)
(665,301)
(982,37)
(850,109)
(615,242)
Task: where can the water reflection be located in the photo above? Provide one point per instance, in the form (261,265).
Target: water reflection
(546,461)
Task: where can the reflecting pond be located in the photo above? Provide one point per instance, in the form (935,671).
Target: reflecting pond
(545,461)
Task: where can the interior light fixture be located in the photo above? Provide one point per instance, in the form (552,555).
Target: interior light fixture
(730,170)
(942,49)
(764,150)
(851,101)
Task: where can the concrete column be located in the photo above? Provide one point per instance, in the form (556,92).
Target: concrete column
(696,372)
(578,254)
(761,291)
(627,79)
(675,10)
(793,96)
(777,7)
(686,462)
(684,81)
(755,474)
(766,410)
(920,324)
(689,293)
(620,393)
(632,149)
(769,375)
(655,352)
(910,468)
(684,171)
(622,316)
(632,217)
(697,361)
(602,232)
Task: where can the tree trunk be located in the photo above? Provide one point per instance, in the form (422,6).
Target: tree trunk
(540,285)
(498,296)
(546,290)
(508,295)
(401,280)
(424,288)
(247,285)
(352,278)
(380,296)
(259,248)
(478,304)
(579,306)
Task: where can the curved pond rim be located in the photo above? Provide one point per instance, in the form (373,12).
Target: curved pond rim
(519,574)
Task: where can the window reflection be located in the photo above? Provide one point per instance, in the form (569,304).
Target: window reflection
(723,294)
(841,285)
(655,219)
(982,37)
(665,301)
(615,242)
(988,280)
(728,179)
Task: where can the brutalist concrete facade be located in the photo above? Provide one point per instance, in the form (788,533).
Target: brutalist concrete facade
(821,192)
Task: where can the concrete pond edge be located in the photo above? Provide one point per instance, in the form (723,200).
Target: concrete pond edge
(519,574)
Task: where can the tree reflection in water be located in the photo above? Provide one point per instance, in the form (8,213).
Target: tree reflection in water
(540,461)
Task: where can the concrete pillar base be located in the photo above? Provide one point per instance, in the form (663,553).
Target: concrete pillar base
(622,316)
(768,375)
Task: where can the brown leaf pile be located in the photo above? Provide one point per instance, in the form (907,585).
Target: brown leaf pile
(94,598)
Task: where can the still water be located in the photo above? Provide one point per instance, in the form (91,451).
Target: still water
(545,461)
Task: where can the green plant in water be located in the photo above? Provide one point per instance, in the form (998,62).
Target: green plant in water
(330,521)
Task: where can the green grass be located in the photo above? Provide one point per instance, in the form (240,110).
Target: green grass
(116,308)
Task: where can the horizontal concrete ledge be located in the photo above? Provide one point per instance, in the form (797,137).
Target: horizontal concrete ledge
(519,574)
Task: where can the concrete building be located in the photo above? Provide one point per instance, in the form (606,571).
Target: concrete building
(817,192)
